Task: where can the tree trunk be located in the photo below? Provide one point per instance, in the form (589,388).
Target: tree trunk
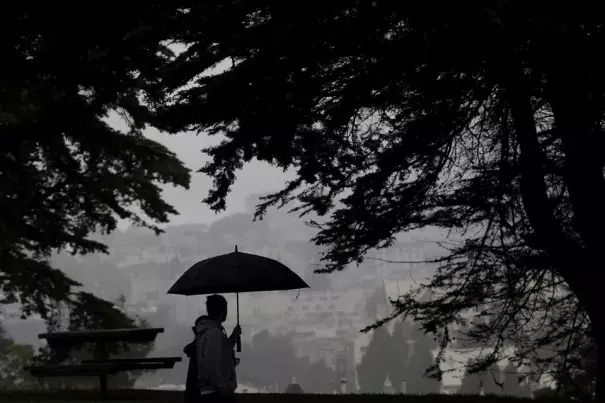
(579,263)
(600,387)
(577,123)
(587,287)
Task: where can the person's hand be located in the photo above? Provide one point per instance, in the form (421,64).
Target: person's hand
(237,332)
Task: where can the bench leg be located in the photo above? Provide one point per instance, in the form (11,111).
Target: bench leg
(103,385)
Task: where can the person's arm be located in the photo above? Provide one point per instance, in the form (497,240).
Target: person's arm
(189,349)
(235,335)
(209,353)
(232,340)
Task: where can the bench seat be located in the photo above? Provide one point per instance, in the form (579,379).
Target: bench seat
(130,364)
(135,360)
(102,368)
(84,369)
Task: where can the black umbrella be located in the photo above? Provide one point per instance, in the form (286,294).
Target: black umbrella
(236,272)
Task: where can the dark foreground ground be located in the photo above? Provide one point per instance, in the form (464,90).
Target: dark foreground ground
(128,396)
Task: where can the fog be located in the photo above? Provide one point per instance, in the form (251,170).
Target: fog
(311,337)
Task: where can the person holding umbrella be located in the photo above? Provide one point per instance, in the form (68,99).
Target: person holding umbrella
(234,272)
(211,356)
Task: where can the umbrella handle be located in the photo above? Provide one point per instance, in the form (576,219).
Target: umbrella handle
(239,338)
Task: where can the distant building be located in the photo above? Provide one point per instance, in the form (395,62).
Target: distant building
(294,388)
(388,388)
(331,309)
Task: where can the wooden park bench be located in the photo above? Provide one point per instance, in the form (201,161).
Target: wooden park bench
(144,363)
(102,366)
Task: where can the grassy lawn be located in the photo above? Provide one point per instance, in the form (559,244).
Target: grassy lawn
(176,397)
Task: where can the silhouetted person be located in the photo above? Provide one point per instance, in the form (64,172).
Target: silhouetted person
(192,392)
(211,375)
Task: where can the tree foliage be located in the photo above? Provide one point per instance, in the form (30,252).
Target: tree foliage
(578,380)
(481,117)
(397,359)
(405,355)
(13,357)
(420,361)
(272,359)
(176,336)
(487,382)
(372,370)
(495,381)
(513,384)
(64,171)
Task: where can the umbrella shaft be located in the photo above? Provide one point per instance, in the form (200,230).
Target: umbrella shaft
(239,340)
(237,305)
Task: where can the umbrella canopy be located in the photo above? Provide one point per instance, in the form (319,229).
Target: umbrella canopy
(236,272)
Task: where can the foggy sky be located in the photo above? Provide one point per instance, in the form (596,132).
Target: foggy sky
(255,177)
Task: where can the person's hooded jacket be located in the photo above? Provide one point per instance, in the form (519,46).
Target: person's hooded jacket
(192,393)
(214,358)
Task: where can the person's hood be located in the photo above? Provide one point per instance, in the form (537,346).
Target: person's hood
(204,323)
